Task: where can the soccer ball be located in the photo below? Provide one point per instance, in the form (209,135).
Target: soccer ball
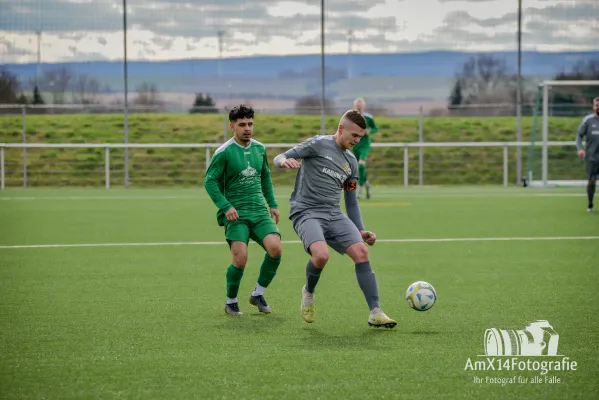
(421,296)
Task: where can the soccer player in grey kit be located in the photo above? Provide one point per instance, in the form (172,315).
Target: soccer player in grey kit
(589,128)
(329,167)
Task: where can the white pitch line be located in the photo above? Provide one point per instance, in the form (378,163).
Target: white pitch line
(221,243)
(379,195)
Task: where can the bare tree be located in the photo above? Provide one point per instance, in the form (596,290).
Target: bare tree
(56,81)
(85,90)
(573,100)
(147,95)
(483,79)
(310,105)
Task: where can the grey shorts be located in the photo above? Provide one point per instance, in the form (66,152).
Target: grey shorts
(337,230)
(592,170)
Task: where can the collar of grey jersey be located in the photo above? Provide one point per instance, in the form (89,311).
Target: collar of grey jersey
(332,138)
(593,115)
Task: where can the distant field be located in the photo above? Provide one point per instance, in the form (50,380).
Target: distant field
(184,167)
(374,87)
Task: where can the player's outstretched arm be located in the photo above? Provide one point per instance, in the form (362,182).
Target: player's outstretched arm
(371,126)
(282,161)
(214,173)
(306,149)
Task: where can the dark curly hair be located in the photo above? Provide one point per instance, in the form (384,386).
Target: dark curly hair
(240,112)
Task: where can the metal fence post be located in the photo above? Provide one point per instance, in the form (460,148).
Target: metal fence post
(2,167)
(24,113)
(107,166)
(207,157)
(505,166)
(421,150)
(405,166)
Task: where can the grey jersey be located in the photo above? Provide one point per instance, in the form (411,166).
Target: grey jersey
(589,129)
(326,170)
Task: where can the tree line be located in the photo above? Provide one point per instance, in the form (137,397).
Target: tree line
(486,80)
(63,86)
(481,80)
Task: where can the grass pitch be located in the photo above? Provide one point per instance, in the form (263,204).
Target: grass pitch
(145,320)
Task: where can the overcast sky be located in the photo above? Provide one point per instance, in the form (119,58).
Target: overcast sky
(171,29)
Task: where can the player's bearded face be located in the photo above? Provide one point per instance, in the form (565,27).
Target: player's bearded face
(596,107)
(243,129)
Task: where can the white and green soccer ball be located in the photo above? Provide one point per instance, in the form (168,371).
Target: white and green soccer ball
(421,296)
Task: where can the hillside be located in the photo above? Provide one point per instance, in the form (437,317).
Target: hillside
(384,77)
(428,63)
(185,167)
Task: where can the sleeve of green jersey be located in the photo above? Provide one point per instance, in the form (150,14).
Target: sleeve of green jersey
(267,188)
(372,126)
(213,175)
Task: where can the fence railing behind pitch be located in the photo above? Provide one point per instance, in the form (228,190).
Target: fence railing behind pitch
(181,164)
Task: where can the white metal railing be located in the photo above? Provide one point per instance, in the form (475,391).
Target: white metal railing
(108,146)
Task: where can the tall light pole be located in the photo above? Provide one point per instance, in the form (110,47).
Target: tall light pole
(350,37)
(519,98)
(220,35)
(38,33)
(126,90)
(322,84)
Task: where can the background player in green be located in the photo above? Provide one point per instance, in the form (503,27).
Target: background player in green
(362,149)
(238,181)
(589,129)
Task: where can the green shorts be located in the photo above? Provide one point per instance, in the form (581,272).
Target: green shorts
(361,153)
(255,227)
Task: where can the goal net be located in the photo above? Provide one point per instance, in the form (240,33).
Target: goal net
(559,109)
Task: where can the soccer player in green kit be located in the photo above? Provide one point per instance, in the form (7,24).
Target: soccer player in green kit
(362,149)
(238,181)
(589,129)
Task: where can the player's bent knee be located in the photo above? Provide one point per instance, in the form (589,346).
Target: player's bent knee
(272,244)
(239,254)
(320,254)
(358,252)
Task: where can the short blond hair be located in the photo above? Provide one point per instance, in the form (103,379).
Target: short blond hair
(359,100)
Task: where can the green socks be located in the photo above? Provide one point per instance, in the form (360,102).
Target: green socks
(234,275)
(268,270)
(362,176)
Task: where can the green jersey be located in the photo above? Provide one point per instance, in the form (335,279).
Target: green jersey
(371,126)
(239,177)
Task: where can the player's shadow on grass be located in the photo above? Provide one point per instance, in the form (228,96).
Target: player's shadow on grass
(250,322)
(421,333)
(373,338)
